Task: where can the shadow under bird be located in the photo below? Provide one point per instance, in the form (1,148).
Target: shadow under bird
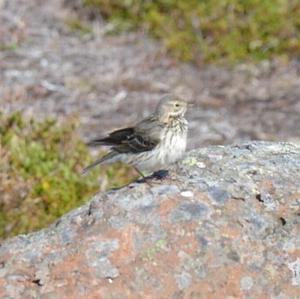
(152,144)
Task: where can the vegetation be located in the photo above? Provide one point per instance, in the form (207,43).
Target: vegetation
(9,46)
(40,173)
(212,31)
(77,26)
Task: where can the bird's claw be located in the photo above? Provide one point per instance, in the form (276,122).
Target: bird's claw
(157,175)
(160,174)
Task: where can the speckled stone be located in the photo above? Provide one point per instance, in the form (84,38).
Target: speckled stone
(183,280)
(189,211)
(218,195)
(227,230)
(246,283)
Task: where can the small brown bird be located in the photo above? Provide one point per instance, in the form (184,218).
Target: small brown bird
(152,144)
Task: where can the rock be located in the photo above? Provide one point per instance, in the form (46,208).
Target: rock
(225,224)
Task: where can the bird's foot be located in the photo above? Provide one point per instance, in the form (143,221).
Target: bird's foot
(160,174)
(157,175)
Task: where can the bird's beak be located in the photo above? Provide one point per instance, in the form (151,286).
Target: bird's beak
(190,105)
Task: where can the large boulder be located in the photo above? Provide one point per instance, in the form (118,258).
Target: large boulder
(225,224)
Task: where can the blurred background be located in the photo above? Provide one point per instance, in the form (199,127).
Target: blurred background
(71,70)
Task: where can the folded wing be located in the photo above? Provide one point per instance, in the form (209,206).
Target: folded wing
(127,140)
(142,138)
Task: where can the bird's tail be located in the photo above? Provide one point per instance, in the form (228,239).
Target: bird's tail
(96,142)
(99,161)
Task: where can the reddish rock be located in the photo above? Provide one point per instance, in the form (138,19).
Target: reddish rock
(225,224)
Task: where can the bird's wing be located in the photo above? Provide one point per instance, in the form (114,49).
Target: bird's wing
(135,144)
(143,137)
(114,138)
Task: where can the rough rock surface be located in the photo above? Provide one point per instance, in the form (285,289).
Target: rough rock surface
(225,224)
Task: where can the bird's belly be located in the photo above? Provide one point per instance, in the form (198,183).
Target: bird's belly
(166,153)
(173,148)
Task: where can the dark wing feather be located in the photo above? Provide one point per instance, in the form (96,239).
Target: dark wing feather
(136,144)
(127,141)
(114,138)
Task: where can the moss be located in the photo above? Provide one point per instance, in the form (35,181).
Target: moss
(212,31)
(77,26)
(190,161)
(12,46)
(151,252)
(40,173)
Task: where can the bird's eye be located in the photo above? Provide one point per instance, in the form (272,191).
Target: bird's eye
(176,105)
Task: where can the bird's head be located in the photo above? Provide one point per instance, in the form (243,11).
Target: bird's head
(171,106)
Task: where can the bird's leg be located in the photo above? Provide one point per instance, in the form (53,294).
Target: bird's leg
(139,172)
(143,179)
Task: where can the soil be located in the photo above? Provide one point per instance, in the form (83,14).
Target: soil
(49,69)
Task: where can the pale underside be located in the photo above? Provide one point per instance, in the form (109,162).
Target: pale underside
(169,150)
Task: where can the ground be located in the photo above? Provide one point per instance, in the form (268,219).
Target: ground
(225,225)
(51,66)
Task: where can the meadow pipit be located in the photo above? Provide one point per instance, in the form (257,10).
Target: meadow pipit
(152,144)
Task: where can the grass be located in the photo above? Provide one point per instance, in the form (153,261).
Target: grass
(77,26)
(222,31)
(9,46)
(40,173)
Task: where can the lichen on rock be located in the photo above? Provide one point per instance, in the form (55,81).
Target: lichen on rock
(229,229)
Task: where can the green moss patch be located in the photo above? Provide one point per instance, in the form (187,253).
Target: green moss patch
(212,31)
(40,173)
